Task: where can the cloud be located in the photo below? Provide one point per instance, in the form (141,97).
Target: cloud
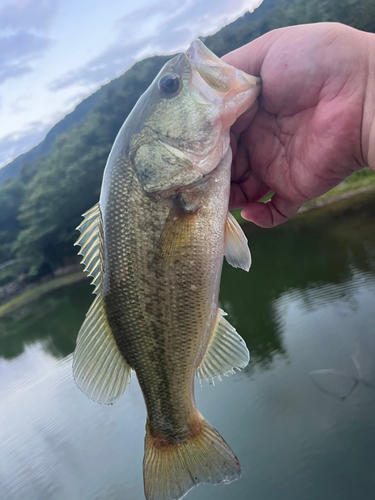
(18,106)
(16,52)
(109,64)
(15,144)
(166,26)
(136,30)
(26,15)
(24,25)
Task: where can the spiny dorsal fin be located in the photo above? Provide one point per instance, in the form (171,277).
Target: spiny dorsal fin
(226,351)
(99,369)
(90,243)
(237,252)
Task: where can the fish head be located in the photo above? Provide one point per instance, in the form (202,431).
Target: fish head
(180,125)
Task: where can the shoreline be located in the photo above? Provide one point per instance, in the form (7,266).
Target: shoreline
(36,290)
(323,202)
(31,292)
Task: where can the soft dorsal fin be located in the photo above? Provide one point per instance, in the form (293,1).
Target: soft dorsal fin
(226,351)
(99,369)
(237,252)
(90,243)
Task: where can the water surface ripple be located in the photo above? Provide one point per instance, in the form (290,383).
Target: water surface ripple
(307,306)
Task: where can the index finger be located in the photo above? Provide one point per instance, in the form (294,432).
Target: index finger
(249,58)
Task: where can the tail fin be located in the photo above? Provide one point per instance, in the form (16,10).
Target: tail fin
(171,471)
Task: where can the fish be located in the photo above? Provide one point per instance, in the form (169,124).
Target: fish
(154,245)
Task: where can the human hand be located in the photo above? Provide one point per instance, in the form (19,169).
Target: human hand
(312,125)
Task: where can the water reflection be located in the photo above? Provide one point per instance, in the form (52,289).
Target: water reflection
(53,320)
(345,305)
(359,341)
(316,260)
(308,304)
(312,259)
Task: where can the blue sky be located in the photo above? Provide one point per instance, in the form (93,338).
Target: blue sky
(54,53)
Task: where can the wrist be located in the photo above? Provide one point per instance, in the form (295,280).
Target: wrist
(368,123)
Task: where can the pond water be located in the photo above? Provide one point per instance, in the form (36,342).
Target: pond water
(300,417)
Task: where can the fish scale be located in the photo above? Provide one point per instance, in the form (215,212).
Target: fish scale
(154,245)
(170,327)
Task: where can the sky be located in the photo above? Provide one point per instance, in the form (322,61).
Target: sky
(54,53)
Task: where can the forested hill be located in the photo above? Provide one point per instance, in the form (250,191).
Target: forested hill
(78,115)
(40,208)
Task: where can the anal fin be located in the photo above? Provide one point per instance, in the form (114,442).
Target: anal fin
(99,368)
(237,252)
(226,351)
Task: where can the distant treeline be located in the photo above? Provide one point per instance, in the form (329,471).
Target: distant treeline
(40,209)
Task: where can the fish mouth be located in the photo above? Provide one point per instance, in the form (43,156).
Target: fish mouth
(220,76)
(233,90)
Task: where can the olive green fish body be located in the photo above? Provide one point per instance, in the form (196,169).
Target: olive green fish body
(154,245)
(161,294)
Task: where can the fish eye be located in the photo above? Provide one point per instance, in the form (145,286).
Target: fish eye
(170,84)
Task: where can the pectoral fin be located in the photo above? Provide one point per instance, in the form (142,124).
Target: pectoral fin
(237,252)
(177,233)
(99,369)
(225,353)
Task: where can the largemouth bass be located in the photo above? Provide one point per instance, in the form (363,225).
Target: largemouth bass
(154,245)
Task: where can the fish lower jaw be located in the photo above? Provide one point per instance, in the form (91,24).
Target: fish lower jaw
(206,164)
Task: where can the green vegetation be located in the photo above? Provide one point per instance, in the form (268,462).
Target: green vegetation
(40,209)
(43,148)
(362,179)
(10,271)
(39,290)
